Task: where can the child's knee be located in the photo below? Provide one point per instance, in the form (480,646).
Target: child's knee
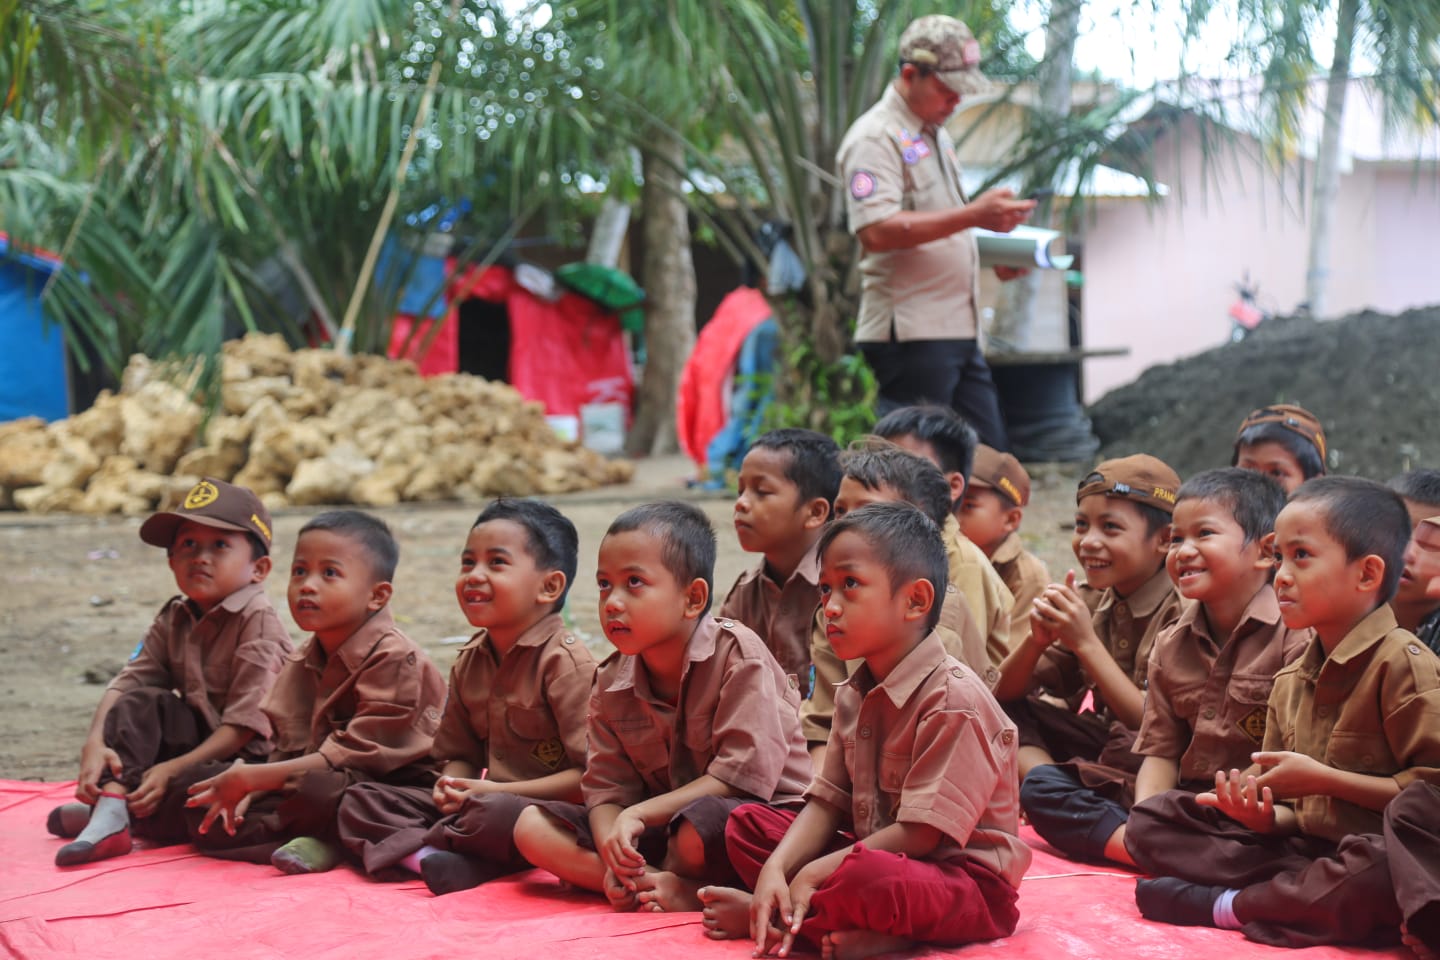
(686,849)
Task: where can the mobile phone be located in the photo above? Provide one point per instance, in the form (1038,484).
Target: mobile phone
(1042,193)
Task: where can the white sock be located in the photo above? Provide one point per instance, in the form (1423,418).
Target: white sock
(412,862)
(1224,914)
(110,815)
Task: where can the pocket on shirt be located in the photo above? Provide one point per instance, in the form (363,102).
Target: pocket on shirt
(531,724)
(1360,752)
(642,742)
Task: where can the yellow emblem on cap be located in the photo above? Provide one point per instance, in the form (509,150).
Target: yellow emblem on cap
(260,524)
(202,494)
(1006,484)
(1160,493)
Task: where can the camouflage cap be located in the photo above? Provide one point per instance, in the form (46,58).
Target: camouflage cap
(214,503)
(1141,477)
(1292,417)
(946,46)
(1002,473)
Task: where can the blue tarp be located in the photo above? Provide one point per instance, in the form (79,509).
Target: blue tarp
(33,380)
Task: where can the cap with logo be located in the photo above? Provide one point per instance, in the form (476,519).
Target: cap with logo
(1002,473)
(1141,477)
(947,47)
(1292,417)
(213,503)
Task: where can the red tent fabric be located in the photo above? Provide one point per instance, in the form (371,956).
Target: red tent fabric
(701,408)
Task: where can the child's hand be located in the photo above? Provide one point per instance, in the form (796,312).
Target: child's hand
(450,792)
(1041,635)
(147,796)
(1241,799)
(773,923)
(227,794)
(1062,610)
(617,849)
(1290,774)
(95,759)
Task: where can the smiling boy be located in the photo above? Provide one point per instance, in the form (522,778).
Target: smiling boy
(689,718)
(219,646)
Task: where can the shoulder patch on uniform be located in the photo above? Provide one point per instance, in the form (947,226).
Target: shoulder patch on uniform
(862,184)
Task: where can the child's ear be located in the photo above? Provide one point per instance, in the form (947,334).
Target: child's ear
(957,486)
(816,512)
(1372,572)
(551,587)
(919,598)
(261,570)
(696,596)
(1013,517)
(380,595)
(1162,540)
(1266,560)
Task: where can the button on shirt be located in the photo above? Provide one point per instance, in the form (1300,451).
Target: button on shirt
(930,745)
(1372,706)
(1206,702)
(522,716)
(222,662)
(736,718)
(371,706)
(781,614)
(891,161)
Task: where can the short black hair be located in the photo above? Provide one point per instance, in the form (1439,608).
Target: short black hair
(1306,454)
(370,532)
(1252,498)
(1365,517)
(550,537)
(914,478)
(954,440)
(907,543)
(258,547)
(687,540)
(813,464)
(1420,486)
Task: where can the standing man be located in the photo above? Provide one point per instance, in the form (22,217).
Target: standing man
(919,319)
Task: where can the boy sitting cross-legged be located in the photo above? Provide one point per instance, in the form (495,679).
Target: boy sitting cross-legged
(787,485)
(908,834)
(690,718)
(514,723)
(360,701)
(1291,850)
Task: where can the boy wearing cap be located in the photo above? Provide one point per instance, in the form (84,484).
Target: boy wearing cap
(990,515)
(1098,641)
(192,690)
(918,312)
(1284,441)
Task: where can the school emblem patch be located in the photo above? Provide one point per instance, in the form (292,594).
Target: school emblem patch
(1253,725)
(549,752)
(202,494)
(862,184)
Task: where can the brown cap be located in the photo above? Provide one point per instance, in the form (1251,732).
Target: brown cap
(1140,477)
(1002,473)
(214,503)
(946,46)
(1292,417)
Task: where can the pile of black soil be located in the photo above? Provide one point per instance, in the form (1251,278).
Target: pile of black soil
(1371,379)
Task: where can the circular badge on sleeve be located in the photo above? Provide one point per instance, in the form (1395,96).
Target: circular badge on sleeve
(862,184)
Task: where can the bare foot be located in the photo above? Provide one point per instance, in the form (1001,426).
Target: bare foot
(725,912)
(858,944)
(621,897)
(661,891)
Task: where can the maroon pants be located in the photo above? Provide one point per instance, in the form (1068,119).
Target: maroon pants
(919,900)
(1412,838)
(1295,891)
(707,815)
(381,824)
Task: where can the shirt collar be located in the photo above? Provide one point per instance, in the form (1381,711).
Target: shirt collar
(900,110)
(1143,602)
(533,636)
(908,674)
(357,646)
(1263,609)
(1009,549)
(234,603)
(1364,635)
(700,646)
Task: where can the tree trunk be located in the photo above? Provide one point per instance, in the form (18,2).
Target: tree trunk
(1015,314)
(1327,163)
(667,272)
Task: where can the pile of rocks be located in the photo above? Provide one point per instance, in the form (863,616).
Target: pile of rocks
(299,428)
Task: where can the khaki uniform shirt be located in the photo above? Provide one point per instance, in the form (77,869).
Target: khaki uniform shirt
(780,614)
(1127,626)
(1372,706)
(893,162)
(979,583)
(1026,577)
(373,706)
(735,718)
(222,663)
(930,745)
(1205,705)
(521,716)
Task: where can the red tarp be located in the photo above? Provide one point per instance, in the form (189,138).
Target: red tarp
(701,408)
(172,902)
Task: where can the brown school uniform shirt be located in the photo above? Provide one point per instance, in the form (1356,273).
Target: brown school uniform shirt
(1372,706)
(781,614)
(1205,704)
(222,663)
(1026,577)
(735,718)
(521,716)
(990,601)
(1127,626)
(373,706)
(930,745)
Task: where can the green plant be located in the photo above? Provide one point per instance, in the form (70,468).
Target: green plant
(837,399)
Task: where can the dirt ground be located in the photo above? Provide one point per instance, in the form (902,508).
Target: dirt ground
(77,594)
